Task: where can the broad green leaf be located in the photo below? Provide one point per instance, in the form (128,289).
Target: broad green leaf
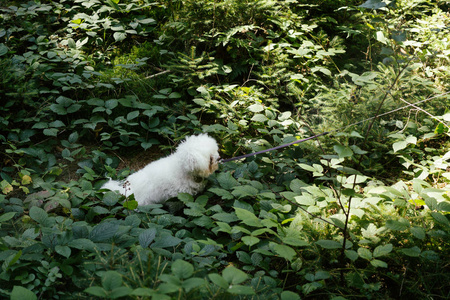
(382,250)
(146,237)
(3,49)
(250,240)
(38,214)
(104,231)
(182,269)
(413,251)
(378,263)
(396,225)
(226,180)
(243,191)
(440,218)
(247,217)
(233,275)
(373,4)
(166,241)
(399,145)
(63,250)
(192,283)
(288,295)
(120,292)
(283,251)
(365,253)
(111,280)
(82,244)
(418,232)
(305,199)
(225,217)
(111,198)
(21,293)
(119,36)
(96,291)
(329,244)
(219,280)
(132,115)
(6,216)
(241,290)
(143,292)
(294,241)
(343,151)
(351,254)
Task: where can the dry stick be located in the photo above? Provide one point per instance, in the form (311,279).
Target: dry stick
(347,214)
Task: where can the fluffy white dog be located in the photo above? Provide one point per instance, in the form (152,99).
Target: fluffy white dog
(181,172)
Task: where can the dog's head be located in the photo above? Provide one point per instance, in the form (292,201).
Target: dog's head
(200,155)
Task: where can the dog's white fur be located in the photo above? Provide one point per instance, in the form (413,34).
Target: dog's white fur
(181,172)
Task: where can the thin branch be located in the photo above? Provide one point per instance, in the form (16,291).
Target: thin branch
(424,111)
(157,74)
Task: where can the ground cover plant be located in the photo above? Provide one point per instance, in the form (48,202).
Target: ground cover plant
(94,89)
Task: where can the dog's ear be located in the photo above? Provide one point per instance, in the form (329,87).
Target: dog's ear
(197,163)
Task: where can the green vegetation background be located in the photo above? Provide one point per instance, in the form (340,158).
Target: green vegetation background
(91,89)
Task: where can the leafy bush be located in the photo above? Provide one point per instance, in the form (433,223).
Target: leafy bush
(363,211)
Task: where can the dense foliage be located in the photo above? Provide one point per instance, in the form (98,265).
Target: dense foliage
(92,89)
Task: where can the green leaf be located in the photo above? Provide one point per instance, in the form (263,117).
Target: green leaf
(182,269)
(250,240)
(396,225)
(192,283)
(146,237)
(241,290)
(343,151)
(247,217)
(50,132)
(418,232)
(413,251)
(82,244)
(329,244)
(166,241)
(96,291)
(283,251)
(132,115)
(256,108)
(218,280)
(226,180)
(244,191)
(119,36)
(373,4)
(382,250)
(288,295)
(104,231)
(294,241)
(111,280)
(440,218)
(233,275)
(399,145)
(351,254)
(130,204)
(3,49)
(7,216)
(305,199)
(365,253)
(38,214)
(21,293)
(110,198)
(63,250)
(120,292)
(378,263)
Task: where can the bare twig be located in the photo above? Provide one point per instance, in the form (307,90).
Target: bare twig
(157,74)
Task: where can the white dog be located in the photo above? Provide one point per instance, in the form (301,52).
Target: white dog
(181,172)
